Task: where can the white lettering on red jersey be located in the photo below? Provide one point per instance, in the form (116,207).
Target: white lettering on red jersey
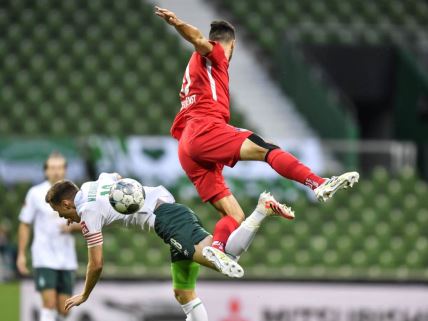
(205,89)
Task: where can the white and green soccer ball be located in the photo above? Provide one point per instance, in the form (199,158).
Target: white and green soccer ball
(127,196)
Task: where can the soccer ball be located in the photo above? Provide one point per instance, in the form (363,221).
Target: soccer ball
(127,196)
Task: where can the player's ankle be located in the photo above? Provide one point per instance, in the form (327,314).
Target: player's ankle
(313,181)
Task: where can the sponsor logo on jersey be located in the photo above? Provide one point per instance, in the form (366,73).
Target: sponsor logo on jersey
(188,101)
(85,229)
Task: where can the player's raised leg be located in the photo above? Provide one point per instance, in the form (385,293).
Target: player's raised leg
(288,166)
(184,277)
(211,186)
(240,240)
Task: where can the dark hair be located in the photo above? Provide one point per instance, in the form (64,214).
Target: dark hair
(62,190)
(52,155)
(222,31)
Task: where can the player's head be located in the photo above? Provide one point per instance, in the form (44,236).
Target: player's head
(61,198)
(223,32)
(55,167)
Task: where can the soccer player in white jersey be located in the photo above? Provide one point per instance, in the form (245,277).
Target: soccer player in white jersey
(54,263)
(174,223)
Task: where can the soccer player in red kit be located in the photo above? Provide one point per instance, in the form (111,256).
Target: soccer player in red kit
(207,142)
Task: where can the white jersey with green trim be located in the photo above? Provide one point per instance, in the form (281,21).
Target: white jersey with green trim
(93,207)
(51,247)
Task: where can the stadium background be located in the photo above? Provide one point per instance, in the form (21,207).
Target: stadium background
(98,81)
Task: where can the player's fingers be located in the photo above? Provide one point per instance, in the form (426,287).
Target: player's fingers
(69,305)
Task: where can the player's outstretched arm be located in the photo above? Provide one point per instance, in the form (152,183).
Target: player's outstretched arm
(93,273)
(188,32)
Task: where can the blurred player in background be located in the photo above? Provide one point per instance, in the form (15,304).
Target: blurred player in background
(174,223)
(52,251)
(207,142)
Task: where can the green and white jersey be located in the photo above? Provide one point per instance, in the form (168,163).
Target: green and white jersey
(51,247)
(93,207)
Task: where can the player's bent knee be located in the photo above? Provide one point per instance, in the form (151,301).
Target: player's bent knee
(184,296)
(256,148)
(50,304)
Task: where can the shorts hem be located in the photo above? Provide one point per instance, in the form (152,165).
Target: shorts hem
(219,196)
(237,157)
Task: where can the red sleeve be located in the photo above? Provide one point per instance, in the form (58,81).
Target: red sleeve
(217,55)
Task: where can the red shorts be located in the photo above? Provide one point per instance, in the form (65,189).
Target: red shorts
(205,147)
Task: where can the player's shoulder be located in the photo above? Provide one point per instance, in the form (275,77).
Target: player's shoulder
(39,188)
(108,176)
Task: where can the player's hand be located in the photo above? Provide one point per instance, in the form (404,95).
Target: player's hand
(167,15)
(21,264)
(74,301)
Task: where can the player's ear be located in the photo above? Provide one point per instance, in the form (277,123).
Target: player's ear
(66,204)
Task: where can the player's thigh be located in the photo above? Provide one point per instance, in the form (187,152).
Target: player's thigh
(179,227)
(184,276)
(228,205)
(221,143)
(49,298)
(208,181)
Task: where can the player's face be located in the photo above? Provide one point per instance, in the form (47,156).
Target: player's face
(66,210)
(55,169)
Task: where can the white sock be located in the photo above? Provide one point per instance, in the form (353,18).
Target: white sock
(195,310)
(48,314)
(239,241)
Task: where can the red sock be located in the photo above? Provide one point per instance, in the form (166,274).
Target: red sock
(290,167)
(222,230)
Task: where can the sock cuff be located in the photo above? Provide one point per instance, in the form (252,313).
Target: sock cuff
(271,154)
(48,314)
(230,220)
(189,306)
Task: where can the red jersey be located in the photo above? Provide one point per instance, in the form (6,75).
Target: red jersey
(205,89)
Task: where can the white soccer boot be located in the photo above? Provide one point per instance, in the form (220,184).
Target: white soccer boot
(271,207)
(223,262)
(327,189)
